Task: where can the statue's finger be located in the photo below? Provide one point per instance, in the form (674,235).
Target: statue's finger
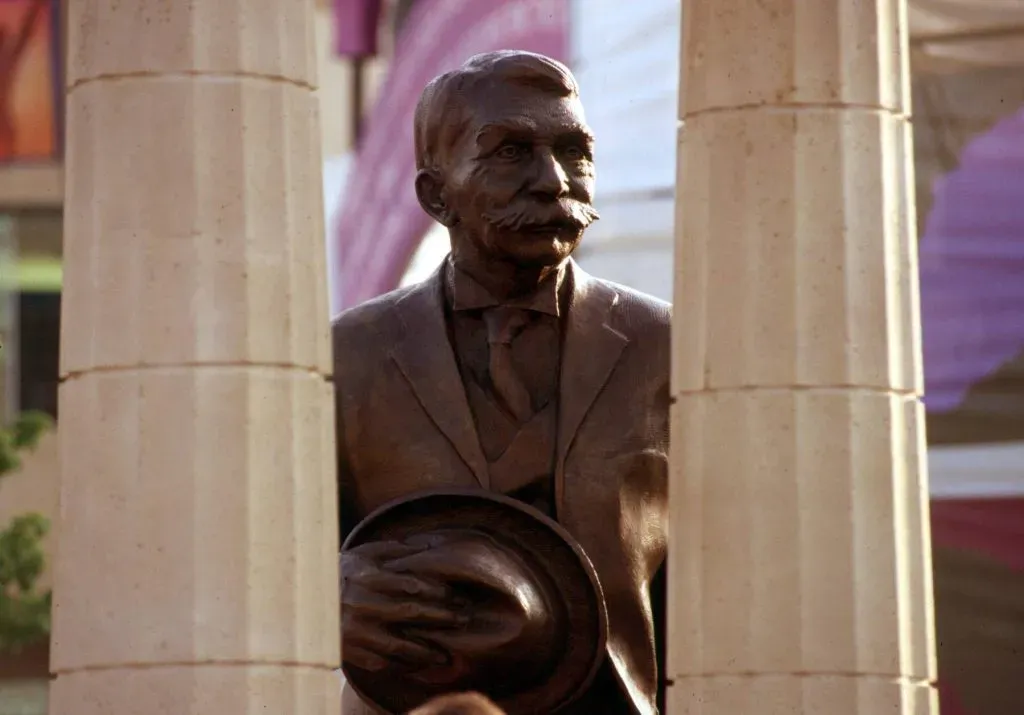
(431,563)
(362,658)
(401,584)
(455,565)
(377,550)
(468,645)
(376,641)
(405,610)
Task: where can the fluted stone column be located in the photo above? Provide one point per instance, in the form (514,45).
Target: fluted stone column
(800,558)
(197,572)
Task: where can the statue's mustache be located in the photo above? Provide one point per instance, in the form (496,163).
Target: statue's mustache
(525,215)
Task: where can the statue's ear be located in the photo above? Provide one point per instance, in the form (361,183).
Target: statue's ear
(430,192)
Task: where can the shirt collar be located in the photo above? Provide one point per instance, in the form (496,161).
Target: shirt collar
(466,293)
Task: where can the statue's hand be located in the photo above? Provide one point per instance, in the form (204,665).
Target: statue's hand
(375,600)
(511,618)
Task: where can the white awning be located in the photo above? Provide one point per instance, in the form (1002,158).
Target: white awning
(945,35)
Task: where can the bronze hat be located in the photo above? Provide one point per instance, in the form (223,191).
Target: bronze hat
(552,571)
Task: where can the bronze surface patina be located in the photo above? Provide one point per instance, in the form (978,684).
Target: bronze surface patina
(509,372)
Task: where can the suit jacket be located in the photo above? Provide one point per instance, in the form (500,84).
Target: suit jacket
(404,424)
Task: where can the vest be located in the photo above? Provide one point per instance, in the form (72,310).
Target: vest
(520,458)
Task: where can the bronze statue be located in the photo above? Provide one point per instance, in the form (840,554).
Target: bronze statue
(509,370)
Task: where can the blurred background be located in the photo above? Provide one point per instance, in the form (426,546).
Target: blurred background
(376,55)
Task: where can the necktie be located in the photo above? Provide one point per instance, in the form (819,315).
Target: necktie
(503,325)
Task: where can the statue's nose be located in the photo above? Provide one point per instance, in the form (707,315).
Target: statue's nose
(551,181)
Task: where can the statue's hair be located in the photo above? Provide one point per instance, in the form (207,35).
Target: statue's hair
(440,114)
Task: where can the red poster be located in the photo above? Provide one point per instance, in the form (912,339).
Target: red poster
(28,80)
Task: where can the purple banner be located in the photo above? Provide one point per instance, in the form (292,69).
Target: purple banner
(972,267)
(381,223)
(355,27)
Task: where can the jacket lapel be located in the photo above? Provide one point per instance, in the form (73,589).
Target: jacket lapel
(592,349)
(425,357)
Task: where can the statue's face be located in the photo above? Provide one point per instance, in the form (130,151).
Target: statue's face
(520,182)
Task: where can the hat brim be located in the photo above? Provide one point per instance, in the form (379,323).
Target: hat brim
(528,531)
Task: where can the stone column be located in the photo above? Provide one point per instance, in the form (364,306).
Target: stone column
(800,552)
(197,572)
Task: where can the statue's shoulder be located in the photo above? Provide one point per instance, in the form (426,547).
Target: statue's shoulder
(640,312)
(362,330)
(369,314)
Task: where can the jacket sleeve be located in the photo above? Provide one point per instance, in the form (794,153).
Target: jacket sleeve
(348,515)
(347,512)
(658,604)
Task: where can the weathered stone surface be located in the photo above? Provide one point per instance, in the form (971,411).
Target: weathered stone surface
(198,566)
(800,550)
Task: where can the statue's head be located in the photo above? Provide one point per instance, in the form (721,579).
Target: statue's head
(505,158)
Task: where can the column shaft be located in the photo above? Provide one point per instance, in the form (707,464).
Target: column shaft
(800,553)
(197,570)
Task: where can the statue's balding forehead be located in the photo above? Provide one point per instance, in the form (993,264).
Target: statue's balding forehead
(450,100)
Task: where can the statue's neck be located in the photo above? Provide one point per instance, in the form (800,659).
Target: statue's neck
(503,279)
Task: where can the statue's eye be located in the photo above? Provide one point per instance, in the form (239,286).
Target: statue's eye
(509,152)
(575,153)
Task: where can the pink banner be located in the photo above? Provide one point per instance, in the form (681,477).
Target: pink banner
(381,223)
(355,27)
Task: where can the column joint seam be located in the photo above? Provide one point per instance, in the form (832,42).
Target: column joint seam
(212,364)
(228,663)
(894,678)
(187,74)
(867,389)
(797,107)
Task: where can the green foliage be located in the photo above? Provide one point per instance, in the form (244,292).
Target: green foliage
(24,610)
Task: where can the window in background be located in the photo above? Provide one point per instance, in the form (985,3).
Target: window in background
(31,274)
(39,351)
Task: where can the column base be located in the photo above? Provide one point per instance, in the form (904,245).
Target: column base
(799,695)
(207,689)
